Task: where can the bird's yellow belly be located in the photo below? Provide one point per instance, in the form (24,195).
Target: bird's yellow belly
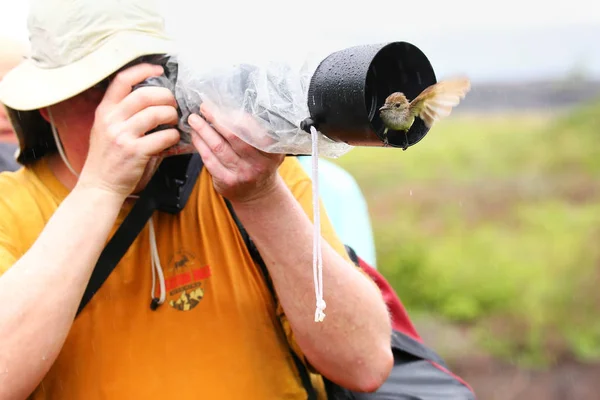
(401,124)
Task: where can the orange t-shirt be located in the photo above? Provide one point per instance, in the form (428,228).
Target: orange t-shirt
(218,334)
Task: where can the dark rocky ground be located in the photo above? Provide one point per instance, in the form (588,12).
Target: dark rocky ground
(528,96)
(494,379)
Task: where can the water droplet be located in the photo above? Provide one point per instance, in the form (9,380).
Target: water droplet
(44,358)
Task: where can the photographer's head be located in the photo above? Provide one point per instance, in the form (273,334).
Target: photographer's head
(75,47)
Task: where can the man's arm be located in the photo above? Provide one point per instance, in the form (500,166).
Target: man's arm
(54,274)
(352,345)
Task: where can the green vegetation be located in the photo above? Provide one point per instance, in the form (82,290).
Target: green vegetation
(493,222)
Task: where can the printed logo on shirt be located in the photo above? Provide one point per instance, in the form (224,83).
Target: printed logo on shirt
(184,280)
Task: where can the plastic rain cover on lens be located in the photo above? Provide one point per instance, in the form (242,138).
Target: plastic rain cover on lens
(263,103)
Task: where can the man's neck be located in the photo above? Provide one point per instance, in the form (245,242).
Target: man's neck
(60,170)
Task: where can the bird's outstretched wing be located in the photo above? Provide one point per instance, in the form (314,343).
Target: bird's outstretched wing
(437,100)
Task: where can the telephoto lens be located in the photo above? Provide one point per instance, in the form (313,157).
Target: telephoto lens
(349,86)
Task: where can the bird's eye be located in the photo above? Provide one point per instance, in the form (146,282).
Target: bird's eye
(397,105)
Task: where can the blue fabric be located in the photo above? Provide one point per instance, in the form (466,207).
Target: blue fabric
(346,207)
(8,161)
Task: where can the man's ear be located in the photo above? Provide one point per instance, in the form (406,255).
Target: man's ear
(44,113)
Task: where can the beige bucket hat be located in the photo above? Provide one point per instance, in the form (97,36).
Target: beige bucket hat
(73,46)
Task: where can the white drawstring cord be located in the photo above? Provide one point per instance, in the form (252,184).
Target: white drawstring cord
(317,257)
(155,259)
(156,266)
(59,146)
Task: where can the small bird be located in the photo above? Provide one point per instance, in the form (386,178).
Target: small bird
(432,104)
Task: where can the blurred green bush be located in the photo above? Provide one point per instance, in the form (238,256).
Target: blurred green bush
(493,222)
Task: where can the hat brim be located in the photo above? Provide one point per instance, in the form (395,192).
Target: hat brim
(29,87)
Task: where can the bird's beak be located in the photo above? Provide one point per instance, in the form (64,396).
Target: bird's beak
(383,107)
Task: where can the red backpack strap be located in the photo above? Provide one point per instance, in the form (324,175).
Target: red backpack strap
(400,319)
(401,322)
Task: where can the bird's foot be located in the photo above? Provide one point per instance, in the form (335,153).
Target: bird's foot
(385,138)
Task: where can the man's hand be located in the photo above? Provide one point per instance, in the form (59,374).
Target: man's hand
(357,330)
(119,150)
(240,172)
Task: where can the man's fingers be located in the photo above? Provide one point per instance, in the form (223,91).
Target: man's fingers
(150,118)
(214,141)
(156,142)
(125,80)
(211,162)
(246,128)
(212,117)
(144,97)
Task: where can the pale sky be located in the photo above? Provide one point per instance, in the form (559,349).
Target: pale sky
(392,16)
(264,27)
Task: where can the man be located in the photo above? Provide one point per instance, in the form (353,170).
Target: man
(11,54)
(217,333)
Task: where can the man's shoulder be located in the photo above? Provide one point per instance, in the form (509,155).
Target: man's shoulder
(17,188)
(332,175)
(292,172)
(11,181)
(21,216)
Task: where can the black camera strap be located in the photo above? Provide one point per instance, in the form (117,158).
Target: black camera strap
(118,245)
(168,190)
